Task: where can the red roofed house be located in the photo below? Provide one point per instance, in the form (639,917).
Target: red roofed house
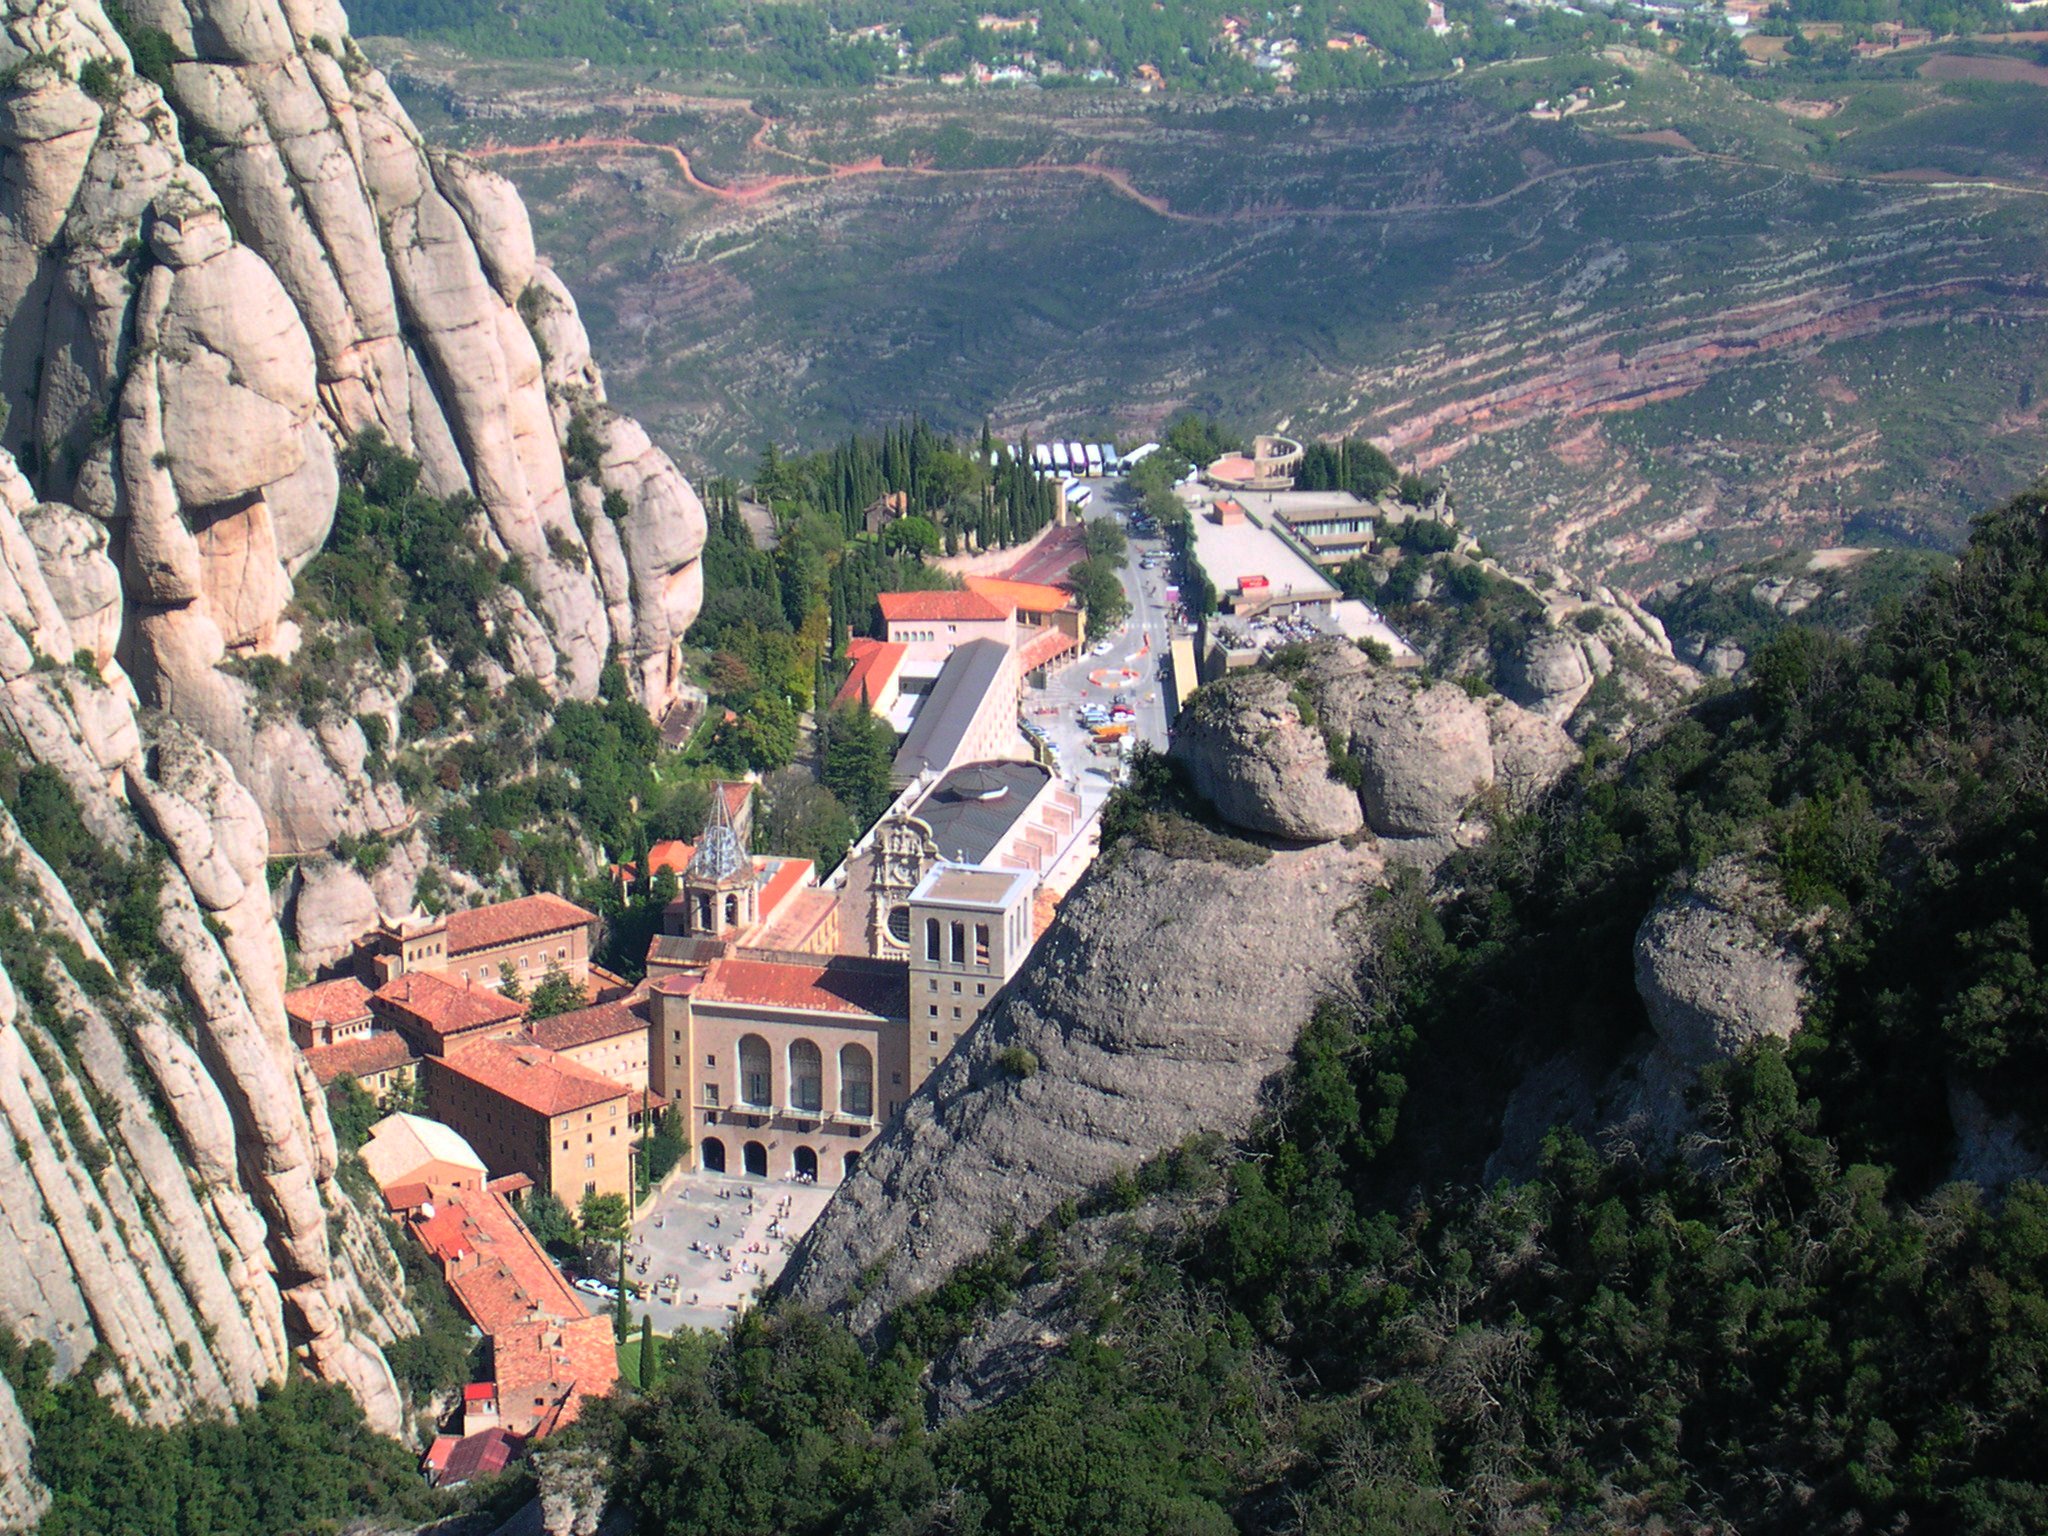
(435,1015)
(876,676)
(788,1064)
(381,1063)
(548,1351)
(529,935)
(930,626)
(537,1112)
(1049,625)
(328,1012)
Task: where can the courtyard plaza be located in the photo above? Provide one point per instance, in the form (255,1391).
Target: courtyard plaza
(723,1236)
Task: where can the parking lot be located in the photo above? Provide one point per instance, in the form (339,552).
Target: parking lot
(722,1237)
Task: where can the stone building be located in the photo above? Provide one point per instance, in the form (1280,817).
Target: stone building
(534,1111)
(1003,815)
(971,929)
(530,936)
(789,1064)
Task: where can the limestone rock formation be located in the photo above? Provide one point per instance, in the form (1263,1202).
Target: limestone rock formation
(186,347)
(1717,966)
(1164,996)
(1552,673)
(1530,753)
(206,291)
(1249,752)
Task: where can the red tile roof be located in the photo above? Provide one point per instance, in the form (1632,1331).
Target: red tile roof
(509,922)
(480,1392)
(645,1099)
(407,1197)
(874,664)
(1043,647)
(606,1021)
(1030,596)
(365,1056)
(341,1001)
(786,878)
(548,1351)
(924,607)
(840,984)
(536,1079)
(445,1007)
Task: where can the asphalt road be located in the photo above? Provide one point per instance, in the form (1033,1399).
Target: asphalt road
(1136,647)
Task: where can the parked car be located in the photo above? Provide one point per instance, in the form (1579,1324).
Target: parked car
(598,1288)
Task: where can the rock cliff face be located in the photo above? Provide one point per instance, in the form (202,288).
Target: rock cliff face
(209,287)
(211,280)
(1166,994)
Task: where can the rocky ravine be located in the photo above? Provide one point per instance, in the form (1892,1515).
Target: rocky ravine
(205,290)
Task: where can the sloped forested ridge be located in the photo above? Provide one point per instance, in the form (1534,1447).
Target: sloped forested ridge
(1792,1318)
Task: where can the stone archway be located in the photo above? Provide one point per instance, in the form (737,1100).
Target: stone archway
(805,1163)
(754,1159)
(713,1153)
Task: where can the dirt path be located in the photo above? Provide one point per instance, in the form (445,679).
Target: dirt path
(1120,183)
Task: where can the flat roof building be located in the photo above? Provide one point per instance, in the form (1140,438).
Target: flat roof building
(1254,569)
(970,714)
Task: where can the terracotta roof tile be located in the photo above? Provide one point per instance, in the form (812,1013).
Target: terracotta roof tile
(539,1080)
(341,1001)
(874,664)
(924,607)
(1030,596)
(840,984)
(444,1007)
(605,1022)
(364,1056)
(508,922)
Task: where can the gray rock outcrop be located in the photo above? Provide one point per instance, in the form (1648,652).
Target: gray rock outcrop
(187,342)
(1717,966)
(1248,751)
(1166,994)
(186,348)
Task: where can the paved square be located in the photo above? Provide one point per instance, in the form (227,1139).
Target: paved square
(693,1223)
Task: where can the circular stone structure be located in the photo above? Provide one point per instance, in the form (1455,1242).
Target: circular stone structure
(1270,467)
(1113,677)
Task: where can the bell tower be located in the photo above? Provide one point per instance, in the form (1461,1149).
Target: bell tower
(719,888)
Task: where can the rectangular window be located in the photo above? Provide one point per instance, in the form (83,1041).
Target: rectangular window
(711,1095)
(590,1159)
(709,1061)
(933,1060)
(932,985)
(956,1011)
(933,1010)
(981,989)
(935,1037)
(956,989)
(589,1189)
(897,1079)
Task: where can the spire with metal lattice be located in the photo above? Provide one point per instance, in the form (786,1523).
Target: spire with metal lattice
(719,857)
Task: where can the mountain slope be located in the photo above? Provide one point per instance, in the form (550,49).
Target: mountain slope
(229,272)
(1676,1163)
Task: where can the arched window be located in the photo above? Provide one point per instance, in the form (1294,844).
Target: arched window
(856,1080)
(713,1152)
(732,910)
(806,1077)
(931,938)
(756,1075)
(849,1163)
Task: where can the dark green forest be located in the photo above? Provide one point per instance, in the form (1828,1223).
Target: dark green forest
(1796,1325)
